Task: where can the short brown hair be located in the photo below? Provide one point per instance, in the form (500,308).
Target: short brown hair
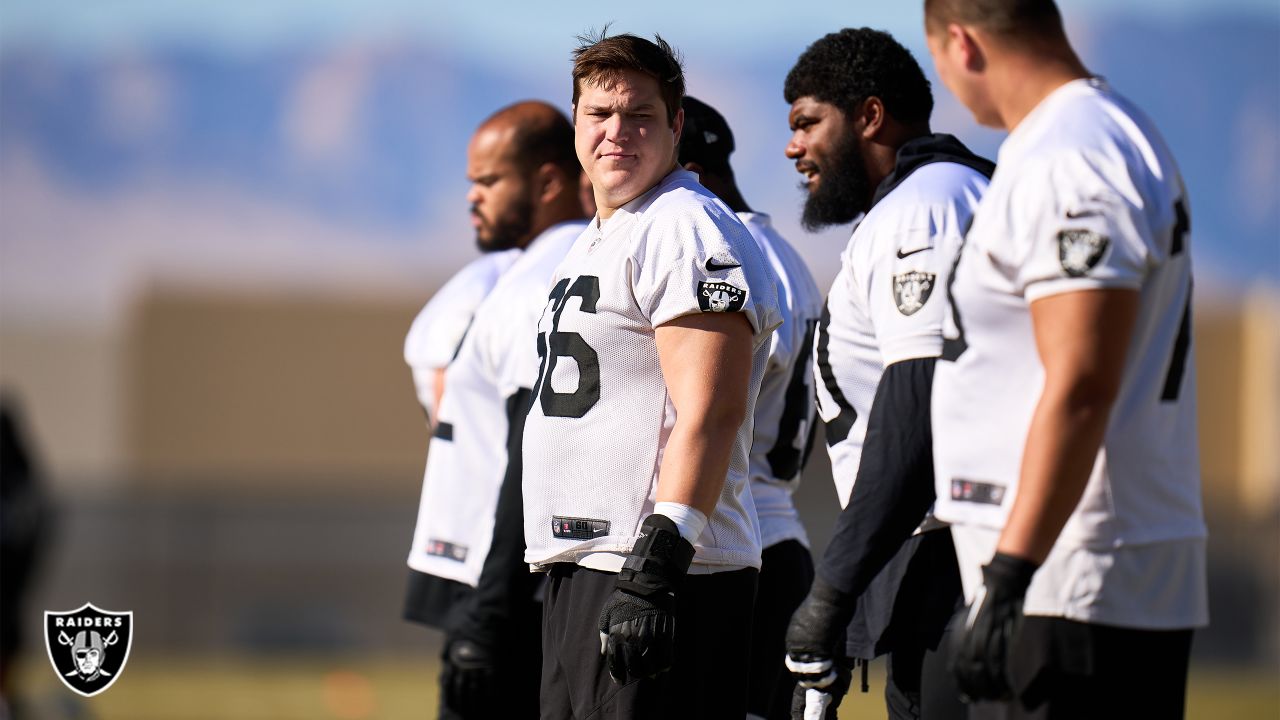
(1005,18)
(600,59)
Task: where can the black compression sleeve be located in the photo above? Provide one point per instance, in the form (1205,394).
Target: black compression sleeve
(894,487)
(505,581)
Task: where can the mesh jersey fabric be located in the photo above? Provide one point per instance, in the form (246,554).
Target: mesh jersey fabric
(465,465)
(785,408)
(436,332)
(601,416)
(1086,196)
(886,304)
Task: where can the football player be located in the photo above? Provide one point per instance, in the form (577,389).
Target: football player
(784,415)
(653,340)
(524,194)
(1065,405)
(860,108)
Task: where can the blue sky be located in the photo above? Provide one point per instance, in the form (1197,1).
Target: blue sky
(495,28)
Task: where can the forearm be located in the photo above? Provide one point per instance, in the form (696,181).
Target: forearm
(706,363)
(1082,338)
(1060,452)
(695,461)
(894,487)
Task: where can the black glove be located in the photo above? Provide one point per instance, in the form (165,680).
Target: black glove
(992,621)
(638,623)
(815,644)
(467,677)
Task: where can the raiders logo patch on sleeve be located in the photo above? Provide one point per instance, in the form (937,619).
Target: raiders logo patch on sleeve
(715,296)
(1079,250)
(911,290)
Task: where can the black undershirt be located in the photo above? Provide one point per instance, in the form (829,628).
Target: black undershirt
(894,487)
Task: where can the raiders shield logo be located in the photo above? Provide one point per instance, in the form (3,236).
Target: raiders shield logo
(714,296)
(1080,250)
(88,647)
(911,290)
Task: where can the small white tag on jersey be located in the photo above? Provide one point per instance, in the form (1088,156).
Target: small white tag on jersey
(976,491)
(1080,250)
(572,528)
(446,550)
(911,290)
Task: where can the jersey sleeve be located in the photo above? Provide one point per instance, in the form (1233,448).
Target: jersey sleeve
(1081,230)
(904,281)
(692,260)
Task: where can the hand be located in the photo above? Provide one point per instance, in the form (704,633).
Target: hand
(638,623)
(815,704)
(994,618)
(467,678)
(815,646)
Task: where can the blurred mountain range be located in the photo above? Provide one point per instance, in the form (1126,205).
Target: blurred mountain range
(323,160)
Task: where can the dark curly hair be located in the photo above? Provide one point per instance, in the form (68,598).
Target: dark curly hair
(847,67)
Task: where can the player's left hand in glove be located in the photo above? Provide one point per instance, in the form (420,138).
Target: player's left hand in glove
(992,622)
(638,623)
(815,648)
(467,679)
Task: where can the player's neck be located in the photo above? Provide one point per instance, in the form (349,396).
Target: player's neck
(1026,80)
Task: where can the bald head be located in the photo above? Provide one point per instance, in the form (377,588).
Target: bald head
(524,175)
(536,133)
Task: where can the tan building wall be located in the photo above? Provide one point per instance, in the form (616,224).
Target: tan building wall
(304,392)
(241,392)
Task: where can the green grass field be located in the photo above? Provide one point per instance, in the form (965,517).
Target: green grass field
(368,689)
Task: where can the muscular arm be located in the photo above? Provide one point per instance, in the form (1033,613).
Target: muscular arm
(894,487)
(706,363)
(1082,338)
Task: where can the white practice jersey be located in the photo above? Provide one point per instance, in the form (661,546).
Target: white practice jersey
(594,438)
(467,457)
(785,410)
(437,331)
(1086,196)
(887,302)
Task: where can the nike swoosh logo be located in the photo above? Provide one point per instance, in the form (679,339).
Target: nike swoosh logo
(713,266)
(1076,214)
(913,252)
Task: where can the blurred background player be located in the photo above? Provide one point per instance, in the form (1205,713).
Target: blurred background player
(860,107)
(1065,408)
(784,415)
(524,195)
(655,337)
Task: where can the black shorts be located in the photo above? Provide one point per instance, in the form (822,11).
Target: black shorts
(911,600)
(786,572)
(433,601)
(905,613)
(713,641)
(1067,669)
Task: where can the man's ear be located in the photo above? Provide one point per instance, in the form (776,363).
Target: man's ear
(969,46)
(549,181)
(677,124)
(871,117)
